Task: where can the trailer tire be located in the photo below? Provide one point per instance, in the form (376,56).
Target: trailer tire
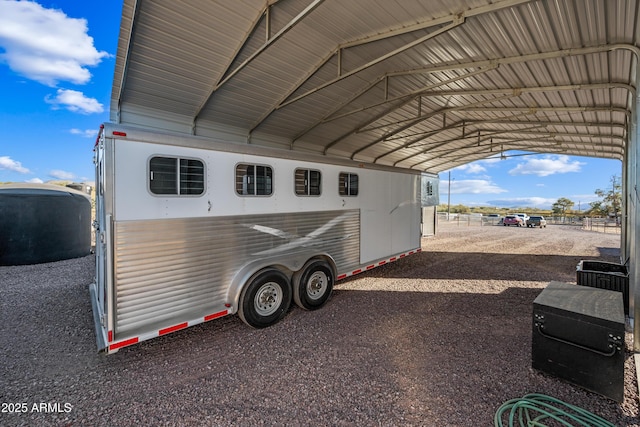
(312,285)
(266,299)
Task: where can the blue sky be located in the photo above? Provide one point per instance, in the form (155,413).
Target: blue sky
(56,68)
(535,181)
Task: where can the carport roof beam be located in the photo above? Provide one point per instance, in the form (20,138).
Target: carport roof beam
(414,121)
(560,88)
(452,21)
(285,102)
(227,74)
(413,95)
(515,92)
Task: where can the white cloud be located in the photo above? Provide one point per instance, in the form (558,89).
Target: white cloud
(87,133)
(491,160)
(545,166)
(8,163)
(523,202)
(35,181)
(60,174)
(75,101)
(46,45)
(470,186)
(471,168)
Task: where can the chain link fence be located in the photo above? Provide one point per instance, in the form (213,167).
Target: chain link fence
(602,225)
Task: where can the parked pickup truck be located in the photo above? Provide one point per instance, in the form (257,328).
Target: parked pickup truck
(536,221)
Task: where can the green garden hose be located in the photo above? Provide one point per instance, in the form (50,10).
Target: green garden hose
(533,410)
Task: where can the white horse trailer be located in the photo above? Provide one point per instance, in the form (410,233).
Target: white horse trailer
(189,229)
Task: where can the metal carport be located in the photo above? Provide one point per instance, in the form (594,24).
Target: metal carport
(419,84)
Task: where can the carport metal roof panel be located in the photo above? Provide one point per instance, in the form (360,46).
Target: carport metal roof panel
(418,84)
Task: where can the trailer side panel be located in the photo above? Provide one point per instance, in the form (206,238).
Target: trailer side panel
(167,271)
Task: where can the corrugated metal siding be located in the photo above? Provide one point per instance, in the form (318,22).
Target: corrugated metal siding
(180,51)
(170,271)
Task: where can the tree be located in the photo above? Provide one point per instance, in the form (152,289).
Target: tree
(562,206)
(610,203)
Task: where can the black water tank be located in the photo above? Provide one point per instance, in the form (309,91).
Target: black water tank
(43,223)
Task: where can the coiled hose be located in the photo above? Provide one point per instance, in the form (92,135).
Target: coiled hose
(534,410)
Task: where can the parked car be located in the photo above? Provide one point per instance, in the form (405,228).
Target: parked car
(512,220)
(537,221)
(524,217)
(493,219)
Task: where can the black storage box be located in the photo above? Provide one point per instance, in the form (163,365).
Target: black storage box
(578,336)
(605,275)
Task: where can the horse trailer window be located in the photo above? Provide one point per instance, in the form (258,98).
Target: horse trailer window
(254,180)
(191,177)
(307,182)
(173,176)
(348,184)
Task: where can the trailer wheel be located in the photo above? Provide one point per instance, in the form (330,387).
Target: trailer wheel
(266,299)
(312,286)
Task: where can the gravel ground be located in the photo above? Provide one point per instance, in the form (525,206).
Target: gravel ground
(441,338)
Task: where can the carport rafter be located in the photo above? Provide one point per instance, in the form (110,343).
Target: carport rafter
(563,53)
(480,142)
(537,89)
(477,153)
(513,60)
(400,104)
(228,74)
(414,121)
(445,23)
(555,144)
(284,102)
(527,134)
(471,124)
(450,22)
(436,144)
(413,94)
(533,110)
(420,137)
(514,91)
(509,146)
(504,140)
(505,144)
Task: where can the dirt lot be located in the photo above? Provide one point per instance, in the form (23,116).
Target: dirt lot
(441,338)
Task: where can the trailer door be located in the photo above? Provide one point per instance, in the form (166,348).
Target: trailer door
(101,227)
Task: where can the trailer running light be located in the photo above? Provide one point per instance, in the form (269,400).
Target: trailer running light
(118,133)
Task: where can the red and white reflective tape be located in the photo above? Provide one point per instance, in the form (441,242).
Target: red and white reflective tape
(116,345)
(377,264)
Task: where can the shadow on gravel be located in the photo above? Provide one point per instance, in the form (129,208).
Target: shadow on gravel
(383,358)
(366,358)
(464,265)
(610,252)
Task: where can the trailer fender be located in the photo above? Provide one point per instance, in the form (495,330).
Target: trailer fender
(288,264)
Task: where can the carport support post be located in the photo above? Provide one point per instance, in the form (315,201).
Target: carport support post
(449,198)
(633,210)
